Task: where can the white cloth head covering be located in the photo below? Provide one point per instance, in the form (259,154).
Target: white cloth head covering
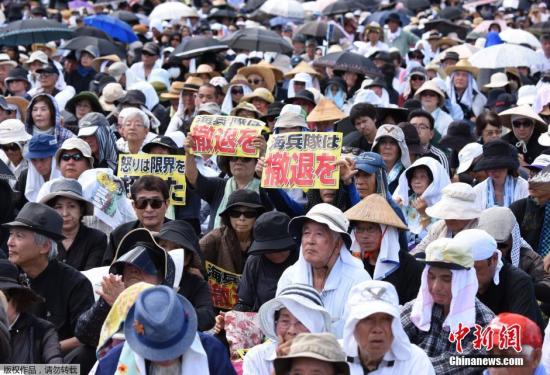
(388,256)
(395,132)
(227,104)
(367,96)
(300,77)
(483,247)
(35,180)
(468,96)
(542,98)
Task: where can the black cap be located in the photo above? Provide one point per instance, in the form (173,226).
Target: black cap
(504,101)
(273,110)
(271,233)
(49,68)
(305,95)
(39,218)
(243,197)
(181,233)
(394,17)
(451,55)
(133,97)
(163,141)
(151,48)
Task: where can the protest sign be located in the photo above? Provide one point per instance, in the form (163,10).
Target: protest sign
(223,286)
(225,135)
(302,160)
(171,168)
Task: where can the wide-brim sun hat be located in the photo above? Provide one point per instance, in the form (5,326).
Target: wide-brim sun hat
(523,111)
(302,67)
(259,93)
(13,130)
(498,80)
(375,209)
(430,86)
(265,72)
(68,188)
(498,154)
(458,202)
(246,106)
(271,234)
(463,65)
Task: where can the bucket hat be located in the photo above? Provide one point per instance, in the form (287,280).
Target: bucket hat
(457,203)
(462,65)
(458,135)
(84,95)
(161,140)
(243,198)
(68,188)
(467,155)
(304,95)
(498,222)
(209,108)
(449,253)
(133,98)
(498,154)
(271,234)
(322,213)
(37,56)
(369,162)
(39,218)
(523,111)
(13,130)
(117,69)
(325,110)
(245,106)
(205,69)
(11,279)
(151,48)
(161,325)
(5,60)
(18,74)
(41,146)
(498,79)
(89,124)
(75,143)
(321,346)
(527,95)
(260,93)
(375,209)
(110,95)
(430,86)
(290,120)
(181,233)
(192,84)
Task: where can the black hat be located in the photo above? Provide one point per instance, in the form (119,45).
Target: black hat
(411,138)
(398,114)
(39,11)
(18,74)
(381,55)
(11,279)
(394,17)
(451,55)
(181,233)
(504,101)
(300,38)
(163,141)
(271,234)
(273,110)
(412,104)
(305,95)
(151,48)
(377,81)
(39,218)
(243,197)
(133,97)
(493,96)
(48,68)
(498,154)
(459,134)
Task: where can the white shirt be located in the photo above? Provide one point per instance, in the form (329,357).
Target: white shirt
(521,191)
(139,72)
(419,363)
(259,359)
(441,121)
(544,63)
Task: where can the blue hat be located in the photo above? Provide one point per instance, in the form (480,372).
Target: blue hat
(161,325)
(369,162)
(41,146)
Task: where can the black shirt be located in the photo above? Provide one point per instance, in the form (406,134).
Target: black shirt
(86,251)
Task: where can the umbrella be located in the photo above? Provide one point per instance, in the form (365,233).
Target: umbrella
(318,29)
(76,4)
(252,5)
(416,5)
(540,28)
(105,47)
(464,51)
(252,39)
(484,26)
(504,56)
(282,21)
(283,8)
(197,45)
(128,17)
(172,11)
(345,6)
(222,13)
(382,16)
(91,31)
(517,36)
(114,27)
(350,62)
(451,13)
(446,27)
(31,31)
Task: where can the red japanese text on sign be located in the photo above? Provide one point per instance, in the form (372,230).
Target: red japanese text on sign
(223,286)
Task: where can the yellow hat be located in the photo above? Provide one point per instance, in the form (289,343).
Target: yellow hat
(302,67)
(174,93)
(261,93)
(325,110)
(449,253)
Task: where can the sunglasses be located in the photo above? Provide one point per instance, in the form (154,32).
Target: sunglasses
(237,91)
(75,157)
(247,214)
(155,203)
(254,81)
(10,147)
(237,158)
(522,124)
(417,78)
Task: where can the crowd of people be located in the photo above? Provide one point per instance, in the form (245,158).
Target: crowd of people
(435,244)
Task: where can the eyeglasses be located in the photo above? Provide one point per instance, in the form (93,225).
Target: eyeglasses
(421,127)
(286,323)
(418,78)
(522,124)
(247,214)
(255,81)
(237,158)
(10,147)
(417,57)
(155,203)
(237,91)
(75,157)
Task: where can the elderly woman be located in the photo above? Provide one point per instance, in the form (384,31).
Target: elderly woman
(43,117)
(433,99)
(83,103)
(238,87)
(389,142)
(373,311)
(503,185)
(259,76)
(462,89)
(95,130)
(420,187)
(82,247)
(376,229)
(135,131)
(488,127)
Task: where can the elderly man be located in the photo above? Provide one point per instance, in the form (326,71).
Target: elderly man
(446,303)
(502,287)
(456,209)
(374,339)
(325,261)
(33,248)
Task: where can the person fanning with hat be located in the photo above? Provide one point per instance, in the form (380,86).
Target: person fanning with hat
(297,309)
(375,227)
(456,210)
(325,261)
(32,246)
(446,301)
(390,144)
(161,336)
(419,188)
(503,185)
(95,130)
(462,88)
(271,252)
(374,339)
(33,340)
(179,234)
(83,247)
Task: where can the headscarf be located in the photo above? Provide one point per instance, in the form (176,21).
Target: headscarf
(61,134)
(339,98)
(227,104)
(106,141)
(300,77)
(35,180)
(469,94)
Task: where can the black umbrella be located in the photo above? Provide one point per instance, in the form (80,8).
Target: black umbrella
(540,28)
(345,6)
(258,40)
(222,13)
(104,46)
(416,5)
(91,31)
(451,13)
(197,45)
(31,31)
(318,29)
(128,17)
(252,5)
(445,27)
(350,62)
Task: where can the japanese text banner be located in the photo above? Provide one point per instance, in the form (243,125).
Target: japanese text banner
(171,168)
(226,135)
(303,160)
(223,286)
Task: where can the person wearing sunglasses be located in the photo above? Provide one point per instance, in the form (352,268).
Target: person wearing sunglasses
(415,78)
(238,87)
(12,139)
(74,157)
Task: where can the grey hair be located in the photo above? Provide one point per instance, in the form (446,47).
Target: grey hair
(131,113)
(40,239)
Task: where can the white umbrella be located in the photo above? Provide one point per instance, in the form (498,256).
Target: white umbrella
(172,10)
(517,36)
(283,8)
(504,56)
(464,51)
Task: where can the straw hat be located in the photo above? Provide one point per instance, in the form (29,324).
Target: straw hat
(279,74)
(261,93)
(326,110)
(140,28)
(247,107)
(204,69)
(22,105)
(239,79)
(524,111)
(174,93)
(462,65)
(375,209)
(96,63)
(497,80)
(302,67)
(192,84)
(263,71)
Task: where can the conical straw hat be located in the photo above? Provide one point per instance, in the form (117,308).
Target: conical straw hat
(375,209)
(325,110)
